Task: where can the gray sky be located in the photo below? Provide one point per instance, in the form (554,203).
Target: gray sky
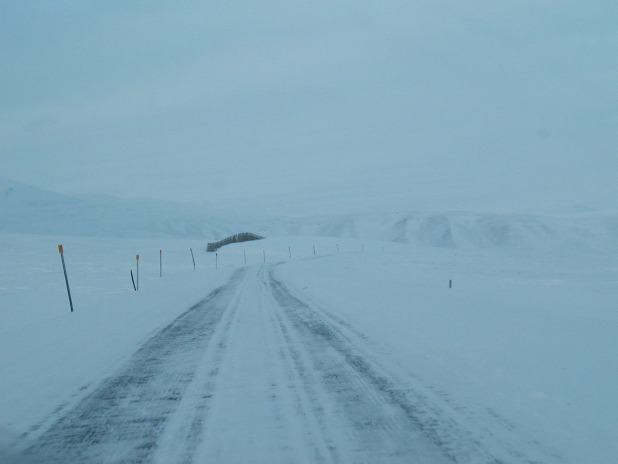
(309,107)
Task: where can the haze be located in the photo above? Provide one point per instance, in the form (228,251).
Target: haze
(292,107)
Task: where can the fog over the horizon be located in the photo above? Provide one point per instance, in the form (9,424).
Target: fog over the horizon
(293,107)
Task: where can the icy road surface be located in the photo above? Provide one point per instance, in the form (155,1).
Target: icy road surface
(256,374)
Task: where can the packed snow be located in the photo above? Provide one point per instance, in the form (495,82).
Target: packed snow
(485,354)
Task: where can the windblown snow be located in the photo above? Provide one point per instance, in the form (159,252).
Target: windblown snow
(402,337)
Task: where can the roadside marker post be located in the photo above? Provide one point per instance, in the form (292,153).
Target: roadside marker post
(192,257)
(216,260)
(160,263)
(245,253)
(264,252)
(290,250)
(137,273)
(66,279)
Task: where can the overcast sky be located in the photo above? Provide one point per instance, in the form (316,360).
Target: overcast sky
(308,107)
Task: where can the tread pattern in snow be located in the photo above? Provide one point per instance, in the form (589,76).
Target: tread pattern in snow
(122,419)
(257,373)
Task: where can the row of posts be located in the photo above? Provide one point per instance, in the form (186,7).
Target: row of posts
(135,279)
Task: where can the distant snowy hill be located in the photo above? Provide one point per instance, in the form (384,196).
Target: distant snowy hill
(31,210)
(28,209)
(461,230)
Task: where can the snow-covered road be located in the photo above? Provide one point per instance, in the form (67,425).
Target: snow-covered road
(250,374)
(256,373)
(365,355)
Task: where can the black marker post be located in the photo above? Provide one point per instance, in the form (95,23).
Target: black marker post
(66,279)
(137,271)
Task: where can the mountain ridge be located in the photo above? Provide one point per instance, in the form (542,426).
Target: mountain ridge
(28,209)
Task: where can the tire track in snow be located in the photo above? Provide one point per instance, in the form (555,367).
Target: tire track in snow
(377,430)
(254,373)
(393,421)
(186,426)
(297,388)
(259,410)
(121,421)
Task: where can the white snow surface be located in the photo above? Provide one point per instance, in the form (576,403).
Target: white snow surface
(358,353)
(337,339)
(31,210)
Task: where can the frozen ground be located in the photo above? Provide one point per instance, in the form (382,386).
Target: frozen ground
(359,353)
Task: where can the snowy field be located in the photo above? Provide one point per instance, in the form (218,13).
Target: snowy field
(437,182)
(359,352)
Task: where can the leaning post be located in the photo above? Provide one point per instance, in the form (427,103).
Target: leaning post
(66,279)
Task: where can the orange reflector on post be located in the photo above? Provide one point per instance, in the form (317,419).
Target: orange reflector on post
(60,249)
